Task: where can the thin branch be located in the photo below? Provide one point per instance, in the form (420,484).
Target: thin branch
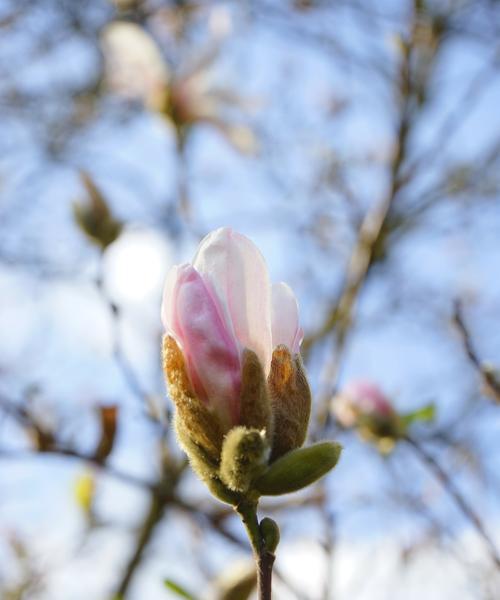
(162,496)
(450,487)
(11,454)
(491,383)
(215,519)
(154,515)
(121,360)
(47,444)
(263,557)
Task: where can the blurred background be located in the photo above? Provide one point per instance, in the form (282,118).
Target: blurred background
(357,144)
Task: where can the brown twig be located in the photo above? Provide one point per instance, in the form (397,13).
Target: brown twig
(153,516)
(491,383)
(371,239)
(162,496)
(264,559)
(47,444)
(11,454)
(216,520)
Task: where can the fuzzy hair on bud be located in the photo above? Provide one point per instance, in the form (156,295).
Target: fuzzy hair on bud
(244,457)
(290,401)
(204,466)
(194,422)
(255,405)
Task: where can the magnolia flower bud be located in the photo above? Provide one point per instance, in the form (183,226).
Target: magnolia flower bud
(231,360)
(362,405)
(361,399)
(221,306)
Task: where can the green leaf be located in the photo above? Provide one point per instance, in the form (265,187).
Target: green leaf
(425,414)
(178,589)
(236,585)
(298,469)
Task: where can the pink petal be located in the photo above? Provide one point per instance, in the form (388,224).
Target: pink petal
(369,398)
(285,318)
(192,316)
(168,301)
(235,270)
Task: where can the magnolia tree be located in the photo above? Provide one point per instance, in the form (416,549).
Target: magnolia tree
(354,145)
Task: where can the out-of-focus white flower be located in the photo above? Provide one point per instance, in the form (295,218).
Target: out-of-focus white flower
(136,69)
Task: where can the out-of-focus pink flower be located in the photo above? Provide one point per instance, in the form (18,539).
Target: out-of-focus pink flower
(221,304)
(361,399)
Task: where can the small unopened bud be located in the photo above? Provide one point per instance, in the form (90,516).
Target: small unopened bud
(94,217)
(270,533)
(244,456)
(298,469)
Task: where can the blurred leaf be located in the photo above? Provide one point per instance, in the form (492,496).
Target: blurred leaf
(425,414)
(84,491)
(178,589)
(94,216)
(241,587)
(108,416)
(236,582)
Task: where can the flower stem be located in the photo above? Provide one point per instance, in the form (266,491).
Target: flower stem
(264,558)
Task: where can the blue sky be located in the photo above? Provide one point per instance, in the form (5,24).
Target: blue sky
(59,335)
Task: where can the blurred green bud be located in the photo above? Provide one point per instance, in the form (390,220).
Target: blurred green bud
(298,469)
(94,216)
(244,456)
(290,401)
(270,533)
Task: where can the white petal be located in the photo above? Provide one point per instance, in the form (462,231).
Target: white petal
(237,273)
(285,317)
(134,64)
(168,301)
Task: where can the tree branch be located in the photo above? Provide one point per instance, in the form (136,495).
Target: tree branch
(450,487)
